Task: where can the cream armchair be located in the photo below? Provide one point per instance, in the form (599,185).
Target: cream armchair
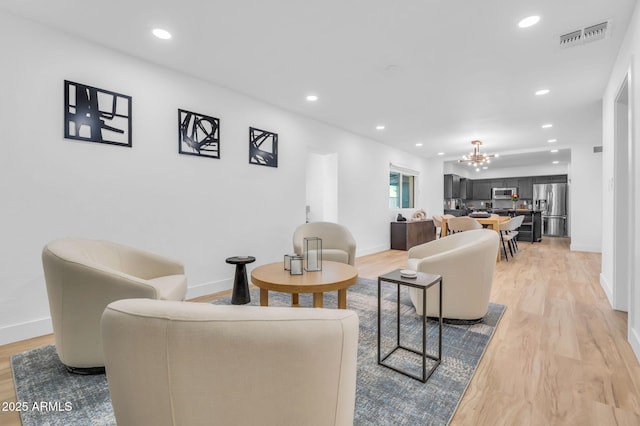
(185,363)
(466,261)
(338,244)
(84,276)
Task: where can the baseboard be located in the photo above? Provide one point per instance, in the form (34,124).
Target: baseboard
(608,289)
(26,330)
(209,288)
(40,327)
(371,250)
(577,247)
(634,341)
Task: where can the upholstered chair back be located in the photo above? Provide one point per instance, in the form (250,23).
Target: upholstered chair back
(184,363)
(83,276)
(466,261)
(338,244)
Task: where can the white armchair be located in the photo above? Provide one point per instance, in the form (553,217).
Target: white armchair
(184,363)
(466,261)
(84,276)
(338,244)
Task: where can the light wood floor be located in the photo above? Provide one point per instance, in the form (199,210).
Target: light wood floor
(559,356)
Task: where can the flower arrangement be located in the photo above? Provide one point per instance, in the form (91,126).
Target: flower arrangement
(515,197)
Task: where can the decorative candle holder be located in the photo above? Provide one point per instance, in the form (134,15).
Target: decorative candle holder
(287,262)
(313,254)
(296,265)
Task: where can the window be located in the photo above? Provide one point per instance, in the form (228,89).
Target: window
(401,190)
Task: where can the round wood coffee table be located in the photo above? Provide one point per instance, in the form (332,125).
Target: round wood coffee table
(334,276)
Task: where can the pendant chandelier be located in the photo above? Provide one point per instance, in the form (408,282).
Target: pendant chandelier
(475,158)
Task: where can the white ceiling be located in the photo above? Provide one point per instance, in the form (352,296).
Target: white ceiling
(440,73)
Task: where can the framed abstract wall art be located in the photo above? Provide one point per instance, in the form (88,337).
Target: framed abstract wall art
(96,115)
(263,147)
(198,134)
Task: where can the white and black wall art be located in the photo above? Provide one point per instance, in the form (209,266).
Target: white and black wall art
(263,147)
(198,134)
(96,115)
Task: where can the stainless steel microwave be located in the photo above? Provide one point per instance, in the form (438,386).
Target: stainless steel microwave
(503,193)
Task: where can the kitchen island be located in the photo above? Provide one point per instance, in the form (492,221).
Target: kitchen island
(531,229)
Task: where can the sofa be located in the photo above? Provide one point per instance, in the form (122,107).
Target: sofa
(185,363)
(466,261)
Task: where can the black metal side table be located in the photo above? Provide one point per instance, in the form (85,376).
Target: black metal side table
(240,294)
(423,281)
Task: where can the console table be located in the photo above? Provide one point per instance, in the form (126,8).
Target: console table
(405,235)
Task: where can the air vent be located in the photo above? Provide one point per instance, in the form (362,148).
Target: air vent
(587,34)
(570,39)
(597,149)
(596,32)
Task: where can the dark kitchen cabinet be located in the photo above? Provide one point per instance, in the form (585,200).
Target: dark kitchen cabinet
(482,189)
(451,186)
(448,186)
(466,189)
(550,179)
(525,188)
(504,183)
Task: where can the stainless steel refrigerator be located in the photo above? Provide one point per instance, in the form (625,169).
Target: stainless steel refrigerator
(551,199)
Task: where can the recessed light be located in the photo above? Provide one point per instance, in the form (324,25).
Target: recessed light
(441,153)
(552,140)
(380,127)
(529,21)
(554,151)
(542,92)
(418,144)
(556,162)
(485,168)
(547,126)
(162,34)
(477,169)
(312,98)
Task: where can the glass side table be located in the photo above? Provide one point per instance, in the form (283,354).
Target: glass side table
(423,281)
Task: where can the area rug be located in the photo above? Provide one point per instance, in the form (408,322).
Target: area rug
(383,396)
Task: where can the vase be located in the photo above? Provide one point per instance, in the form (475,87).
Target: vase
(514,204)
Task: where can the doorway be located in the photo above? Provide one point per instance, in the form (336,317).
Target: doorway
(322,187)
(623,224)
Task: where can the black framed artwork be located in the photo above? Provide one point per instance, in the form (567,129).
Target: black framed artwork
(263,147)
(198,134)
(96,115)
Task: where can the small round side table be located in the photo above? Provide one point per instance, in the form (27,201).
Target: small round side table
(240,294)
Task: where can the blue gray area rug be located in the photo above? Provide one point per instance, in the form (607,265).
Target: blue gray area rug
(384,397)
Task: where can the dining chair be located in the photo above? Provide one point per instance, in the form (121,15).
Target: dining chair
(437,222)
(461,224)
(508,234)
(447,217)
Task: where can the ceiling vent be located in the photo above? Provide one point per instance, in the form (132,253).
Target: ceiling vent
(586,35)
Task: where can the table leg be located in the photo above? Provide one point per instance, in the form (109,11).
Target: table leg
(342,298)
(317,300)
(264,297)
(295,300)
(496,227)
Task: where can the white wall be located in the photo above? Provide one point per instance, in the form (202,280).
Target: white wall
(198,210)
(625,63)
(539,170)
